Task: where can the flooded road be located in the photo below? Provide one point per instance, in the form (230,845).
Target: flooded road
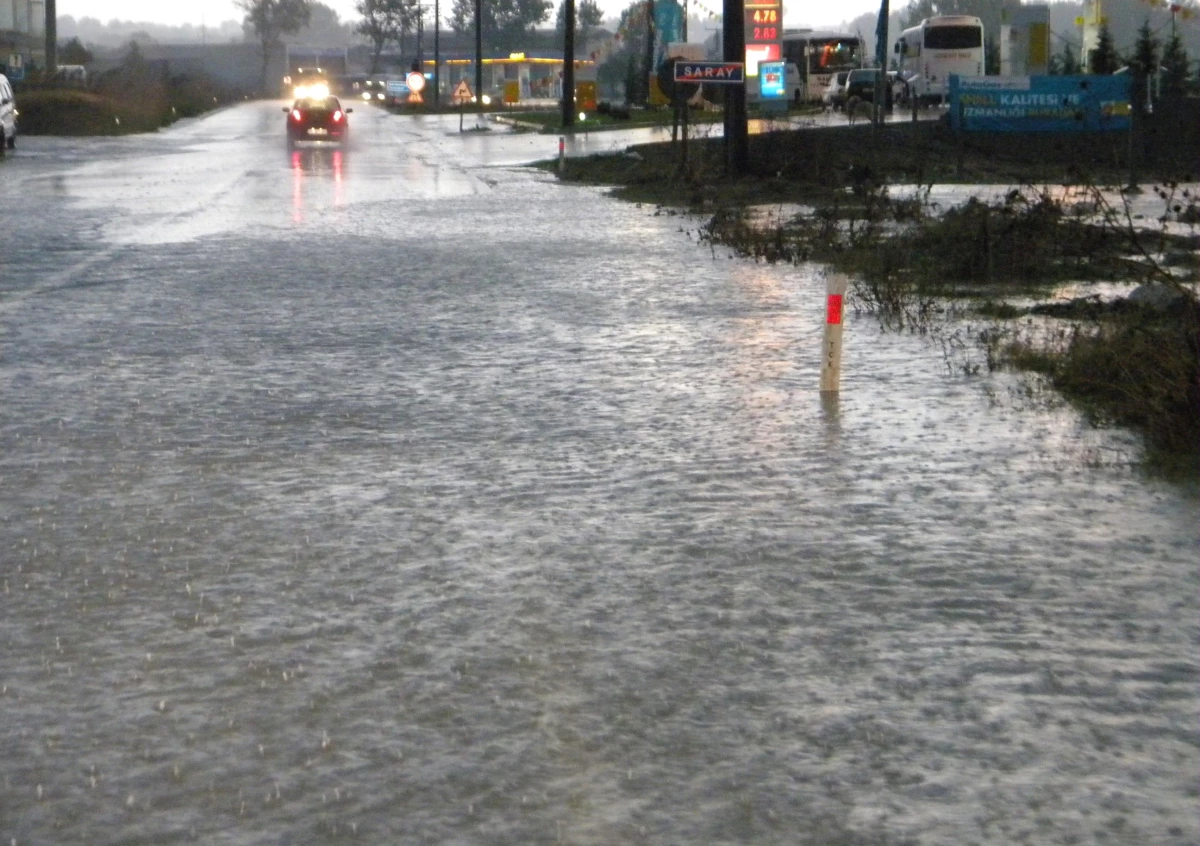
(400,495)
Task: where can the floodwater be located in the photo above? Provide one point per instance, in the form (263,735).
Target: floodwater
(401,495)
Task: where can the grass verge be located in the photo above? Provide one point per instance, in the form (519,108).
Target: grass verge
(115,110)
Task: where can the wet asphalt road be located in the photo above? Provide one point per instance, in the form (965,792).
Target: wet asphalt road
(400,495)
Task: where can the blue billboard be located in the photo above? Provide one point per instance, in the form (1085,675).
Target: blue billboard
(1040,103)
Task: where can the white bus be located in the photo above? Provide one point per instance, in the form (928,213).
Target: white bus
(813,58)
(928,53)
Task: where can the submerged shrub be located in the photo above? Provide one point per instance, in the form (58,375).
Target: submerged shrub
(1141,369)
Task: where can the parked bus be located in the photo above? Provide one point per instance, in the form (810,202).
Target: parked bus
(930,52)
(813,58)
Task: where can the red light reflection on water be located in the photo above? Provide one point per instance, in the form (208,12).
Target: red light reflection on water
(339,196)
(297,188)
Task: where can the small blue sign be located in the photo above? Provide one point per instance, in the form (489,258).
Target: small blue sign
(398,88)
(1088,103)
(771,84)
(724,73)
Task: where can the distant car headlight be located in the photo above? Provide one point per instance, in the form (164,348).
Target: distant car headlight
(487,101)
(366,95)
(381,96)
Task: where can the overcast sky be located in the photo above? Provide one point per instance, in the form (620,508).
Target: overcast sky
(796,12)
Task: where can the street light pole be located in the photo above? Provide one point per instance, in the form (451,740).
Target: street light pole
(51,37)
(568,71)
(881,58)
(437,54)
(733,41)
(649,46)
(479,53)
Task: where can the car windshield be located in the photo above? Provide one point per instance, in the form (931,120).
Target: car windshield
(859,75)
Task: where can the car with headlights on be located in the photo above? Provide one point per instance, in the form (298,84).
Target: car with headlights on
(317,119)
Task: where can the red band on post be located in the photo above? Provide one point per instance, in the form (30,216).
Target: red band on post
(833,311)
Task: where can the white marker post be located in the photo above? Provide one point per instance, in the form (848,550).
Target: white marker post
(831,349)
(562,153)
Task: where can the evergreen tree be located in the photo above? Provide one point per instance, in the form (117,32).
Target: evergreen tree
(991,57)
(1144,64)
(1104,59)
(1068,59)
(72,52)
(1145,51)
(1174,68)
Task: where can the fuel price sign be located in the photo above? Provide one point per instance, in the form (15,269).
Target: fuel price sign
(764,33)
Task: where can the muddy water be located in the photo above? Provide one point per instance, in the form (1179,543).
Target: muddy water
(403,496)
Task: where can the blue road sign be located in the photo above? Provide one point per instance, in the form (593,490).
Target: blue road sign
(724,73)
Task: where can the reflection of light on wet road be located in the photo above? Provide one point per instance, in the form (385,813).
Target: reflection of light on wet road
(339,197)
(297,187)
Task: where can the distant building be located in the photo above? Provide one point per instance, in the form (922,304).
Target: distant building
(24,16)
(1024,40)
(22,36)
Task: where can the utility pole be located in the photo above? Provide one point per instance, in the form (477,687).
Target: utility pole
(881,58)
(437,54)
(649,47)
(568,71)
(479,53)
(51,37)
(733,40)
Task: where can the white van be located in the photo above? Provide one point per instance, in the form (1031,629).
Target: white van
(8,116)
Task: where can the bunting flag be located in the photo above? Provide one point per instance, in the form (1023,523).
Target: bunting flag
(710,12)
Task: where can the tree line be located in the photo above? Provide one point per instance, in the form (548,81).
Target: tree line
(506,24)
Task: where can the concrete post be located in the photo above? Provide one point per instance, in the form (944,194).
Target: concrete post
(831,348)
